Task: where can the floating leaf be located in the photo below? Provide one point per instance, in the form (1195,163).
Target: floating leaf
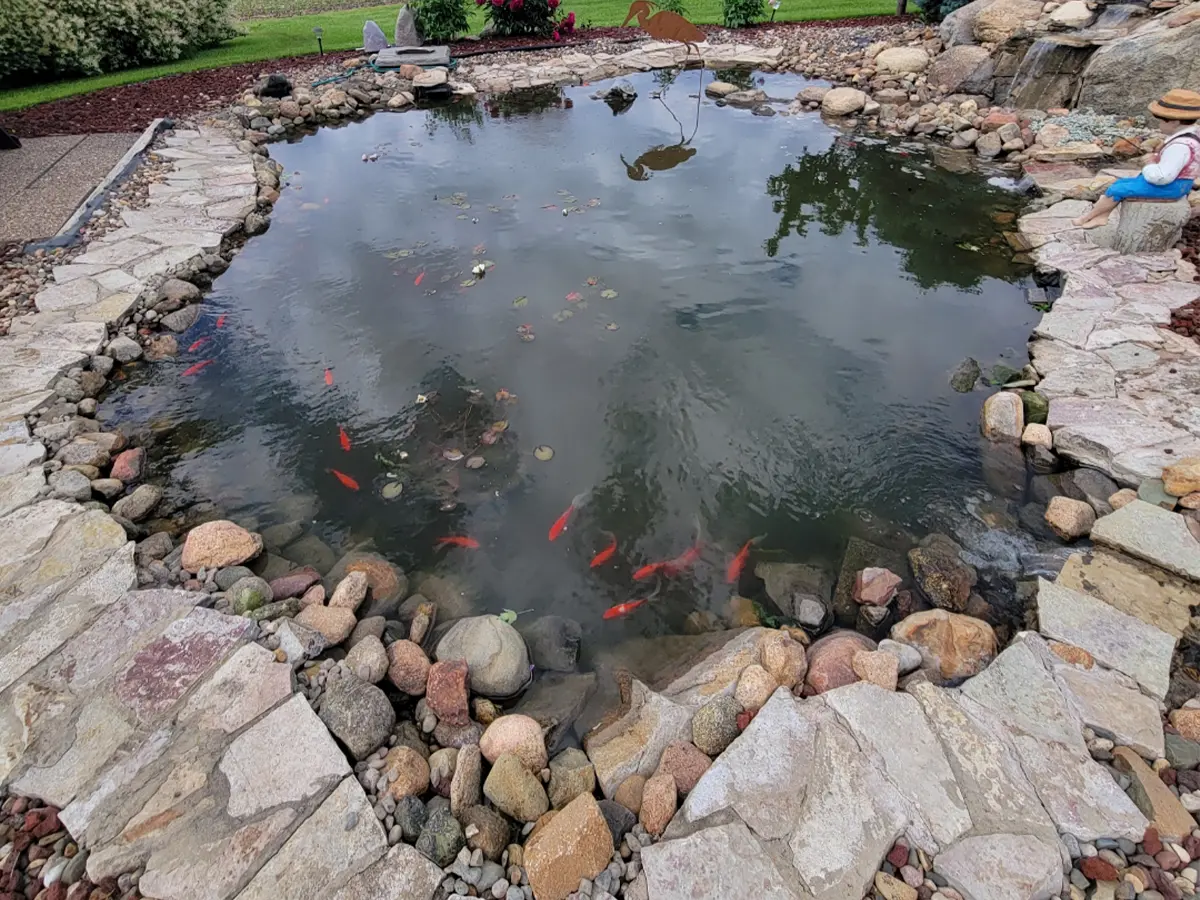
(595,201)
(528,337)
(466,282)
(398,254)
(500,426)
(461,216)
(488,438)
(574,296)
(505,396)
(508,616)
(550,206)
(489,264)
(392,490)
(593,281)
(525,328)
(543,452)
(475,462)
(563,193)
(582,304)
(521,301)
(608,293)
(420,244)
(570,199)
(612,326)
(512,196)
(479,250)
(562,315)
(453,454)
(493,208)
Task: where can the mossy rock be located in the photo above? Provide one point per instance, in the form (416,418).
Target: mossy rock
(1037,407)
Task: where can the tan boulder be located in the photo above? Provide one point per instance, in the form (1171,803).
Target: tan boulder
(878,667)
(754,687)
(902,60)
(1183,477)
(217,544)
(516,734)
(575,844)
(843,101)
(334,624)
(409,770)
(350,592)
(1070,519)
(1002,19)
(408,667)
(952,646)
(629,793)
(784,658)
(659,801)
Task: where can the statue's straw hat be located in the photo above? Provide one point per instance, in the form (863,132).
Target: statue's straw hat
(1177,104)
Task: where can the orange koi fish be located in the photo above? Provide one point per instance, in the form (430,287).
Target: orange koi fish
(221,321)
(682,561)
(195,370)
(345,479)
(329,376)
(344,438)
(560,524)
(623,609)
(456,540)
(417,281)
(196,345)
(607,553)
(734,570)
(647,570)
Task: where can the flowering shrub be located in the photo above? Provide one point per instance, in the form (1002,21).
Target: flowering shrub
(740,13)
(537,18)
(440,20)
(42,39)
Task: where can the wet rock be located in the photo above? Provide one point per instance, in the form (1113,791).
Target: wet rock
(334,624)
(181,320)
(494,651)
(441,838)
(1070,519)
(719,89)
(514,790)
(715,725)
(952,646)
(387,585)
(658,803)
(686,763)
(941,574)
(446,691)
(831,661)
(754,687)
(876,587)
(162,346)
(553,642)
(124,349)
(877,667)
(555,702)
(842,101)
(790,585)
(493,831)
(409,770)
(861,555)
(178,291)
(350,592)
(312,551)
(966,376)
(217,544)
(295,583)
(248,594)
(467,782)
(408,670)
(784,658)
(1035,407)
(453,598)
(357,713)
(368,659)
(575,845)
(1003,415)
(516,734)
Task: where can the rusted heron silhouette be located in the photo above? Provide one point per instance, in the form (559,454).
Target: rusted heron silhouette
(665,25)
(658,159)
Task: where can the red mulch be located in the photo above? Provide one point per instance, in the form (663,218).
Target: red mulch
(131,107)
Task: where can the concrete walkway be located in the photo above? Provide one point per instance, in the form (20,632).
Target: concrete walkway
(44,181)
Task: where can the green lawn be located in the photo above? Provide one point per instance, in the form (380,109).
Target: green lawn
(275,38)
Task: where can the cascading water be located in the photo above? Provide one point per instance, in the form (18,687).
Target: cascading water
(1049,73)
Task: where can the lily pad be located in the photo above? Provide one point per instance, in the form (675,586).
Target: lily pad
(505,396)
(595,201)
(508,616)
(528,337)
(608,293)
(462,216)
(543,452)
(480,249)
(453,454)
(520,301)
(493,208)
(592,282)
(500,426)
(612,326)
(574,297)
(488,438)
(563,315)
(392,490)
(475,462)
(466,282)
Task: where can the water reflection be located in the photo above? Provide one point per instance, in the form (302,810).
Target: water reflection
(658,159)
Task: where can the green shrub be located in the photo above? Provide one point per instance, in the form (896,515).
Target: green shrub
(43,39)
(675,6)
(936,10)
(740,13)
(440,20)
(534,18)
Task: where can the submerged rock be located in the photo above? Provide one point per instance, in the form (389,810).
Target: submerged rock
(966,376)
(941,574)
(553,642)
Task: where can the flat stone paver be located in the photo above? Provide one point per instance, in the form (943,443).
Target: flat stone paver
(1151,533)
(48,177)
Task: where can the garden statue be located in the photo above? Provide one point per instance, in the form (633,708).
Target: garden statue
(665,25)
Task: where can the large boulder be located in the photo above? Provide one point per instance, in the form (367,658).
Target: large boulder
(1123,76)
(952,646)
(220,543)
(902,60)
(1001,19)
(966,68)
(494,651)
(843,101)
(1139,228)
(959,27)
(831,661)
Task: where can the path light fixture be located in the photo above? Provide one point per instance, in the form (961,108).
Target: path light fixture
(774,4)
(319,32)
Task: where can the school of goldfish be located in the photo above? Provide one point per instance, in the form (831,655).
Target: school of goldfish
(669,568)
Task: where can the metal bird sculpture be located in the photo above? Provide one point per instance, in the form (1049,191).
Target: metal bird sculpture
(658,159)
(665,25)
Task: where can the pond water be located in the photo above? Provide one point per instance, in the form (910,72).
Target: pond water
(748,332)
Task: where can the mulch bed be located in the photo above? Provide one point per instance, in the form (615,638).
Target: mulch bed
(131,107)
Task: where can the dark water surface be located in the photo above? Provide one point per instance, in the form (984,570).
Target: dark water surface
(789,305)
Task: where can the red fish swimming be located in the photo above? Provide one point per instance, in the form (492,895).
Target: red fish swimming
(682,561)
(329,376)
(194,370)
(221,321)
(623,609)
(607,553)
(560,524)
(196,345)
(345,479)
(647,570)
(456,540)
(734,570)
(344,438)
(417,281)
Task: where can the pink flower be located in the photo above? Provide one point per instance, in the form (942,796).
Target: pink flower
(553,4)
(555,35)
(570,18)
(515,5)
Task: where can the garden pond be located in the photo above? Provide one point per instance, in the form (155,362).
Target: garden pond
(688,321)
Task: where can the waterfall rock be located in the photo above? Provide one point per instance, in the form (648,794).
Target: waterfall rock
(1004,18)
(1125,75)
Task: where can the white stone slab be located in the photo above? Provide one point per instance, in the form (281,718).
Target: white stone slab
(1114,708)
(1002,867)
(1151,533)
(725,861)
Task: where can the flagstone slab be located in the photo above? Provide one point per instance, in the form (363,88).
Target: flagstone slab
(339,840)
(118,253)
(404,873)
(1113,707)
(20,489)
(1002,867)
(261,777)
(1151,533)
(24,404)
(246,686)
(894,727)
(16,381)
(165,260)
(160,674)
(725,861)
(127,764)
(110,310)
(99,731)
(16,458)
(72,294)
(63,274)
(24,533)
(1116,639)
(1132,586)
(86,338)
